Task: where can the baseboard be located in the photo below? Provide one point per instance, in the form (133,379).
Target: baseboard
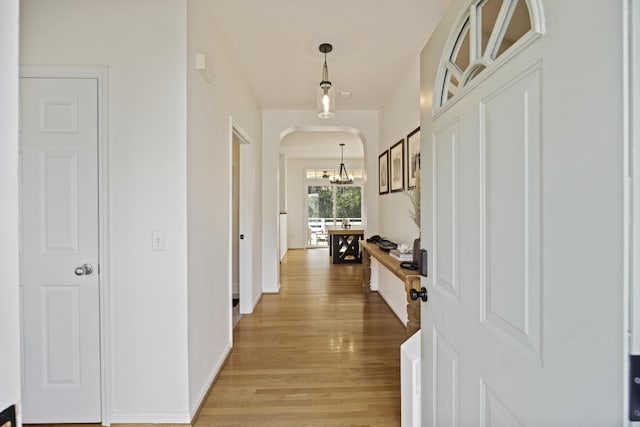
(213,376)
(150,425)
(123,419)
(271,290)
(275,291)
(256,301)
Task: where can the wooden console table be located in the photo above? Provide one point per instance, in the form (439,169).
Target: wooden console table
(410,278)
(343,244)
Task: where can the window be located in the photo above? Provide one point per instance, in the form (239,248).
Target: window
(485,32)
(328,205)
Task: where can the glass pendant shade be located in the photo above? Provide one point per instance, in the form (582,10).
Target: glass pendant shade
(326,103)
(325,98)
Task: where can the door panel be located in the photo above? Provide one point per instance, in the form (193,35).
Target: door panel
(60,335)
(445,192)
(60,201)
(446,391)
(511,200)
(59,233)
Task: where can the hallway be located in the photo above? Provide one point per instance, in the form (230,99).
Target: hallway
(313,355)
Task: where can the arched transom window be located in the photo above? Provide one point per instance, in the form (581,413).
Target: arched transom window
(487,32)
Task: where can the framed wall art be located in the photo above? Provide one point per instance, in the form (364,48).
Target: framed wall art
(396,162)
(413,157)
(383,172)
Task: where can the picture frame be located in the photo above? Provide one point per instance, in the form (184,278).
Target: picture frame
(413,157)
(383,172)
(396,166)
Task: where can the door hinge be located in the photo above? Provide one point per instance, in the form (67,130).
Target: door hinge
(634,387)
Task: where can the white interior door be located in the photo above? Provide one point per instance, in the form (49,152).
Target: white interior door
(522,217)
(244,234)
(59,246)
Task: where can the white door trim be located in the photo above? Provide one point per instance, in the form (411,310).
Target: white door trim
(631,97)
(100,74)
(246,223)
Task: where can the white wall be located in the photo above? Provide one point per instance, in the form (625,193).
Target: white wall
(283,235)
(282,183)
(210,104)
(297,192)
(399,116)
(143,43)
(9,293)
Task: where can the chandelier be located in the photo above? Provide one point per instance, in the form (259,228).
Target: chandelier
(341,176)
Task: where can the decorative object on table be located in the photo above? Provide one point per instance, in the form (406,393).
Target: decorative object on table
(401,256)
(413,157)
(326,99)
(414,200)
(409,265)
(346,223)
(383,172)
(341,176)
(396,161)
(414,213)
(386,245)
(374,239)
(403,248)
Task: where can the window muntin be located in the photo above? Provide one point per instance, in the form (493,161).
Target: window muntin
(485,31)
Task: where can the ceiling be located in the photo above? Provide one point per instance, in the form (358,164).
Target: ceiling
(275,45)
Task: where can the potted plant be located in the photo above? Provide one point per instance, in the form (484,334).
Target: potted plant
(414,213)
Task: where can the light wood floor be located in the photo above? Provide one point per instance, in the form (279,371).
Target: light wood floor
(313,355)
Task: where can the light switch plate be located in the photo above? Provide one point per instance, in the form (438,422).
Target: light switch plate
(158,240)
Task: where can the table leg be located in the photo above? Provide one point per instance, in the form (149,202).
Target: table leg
(413,307)
(330,244)
(366,274)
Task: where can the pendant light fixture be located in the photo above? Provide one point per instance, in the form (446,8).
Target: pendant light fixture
(342,176)
(326,100)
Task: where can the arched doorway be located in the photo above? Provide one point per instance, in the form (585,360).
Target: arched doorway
(308,200)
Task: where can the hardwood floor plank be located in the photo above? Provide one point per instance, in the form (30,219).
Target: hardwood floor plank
(312,355)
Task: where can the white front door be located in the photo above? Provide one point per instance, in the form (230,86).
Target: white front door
(522,215)
(59,247)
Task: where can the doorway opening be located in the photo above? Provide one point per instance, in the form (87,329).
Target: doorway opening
(241,222)
(235,221)
(308,161)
